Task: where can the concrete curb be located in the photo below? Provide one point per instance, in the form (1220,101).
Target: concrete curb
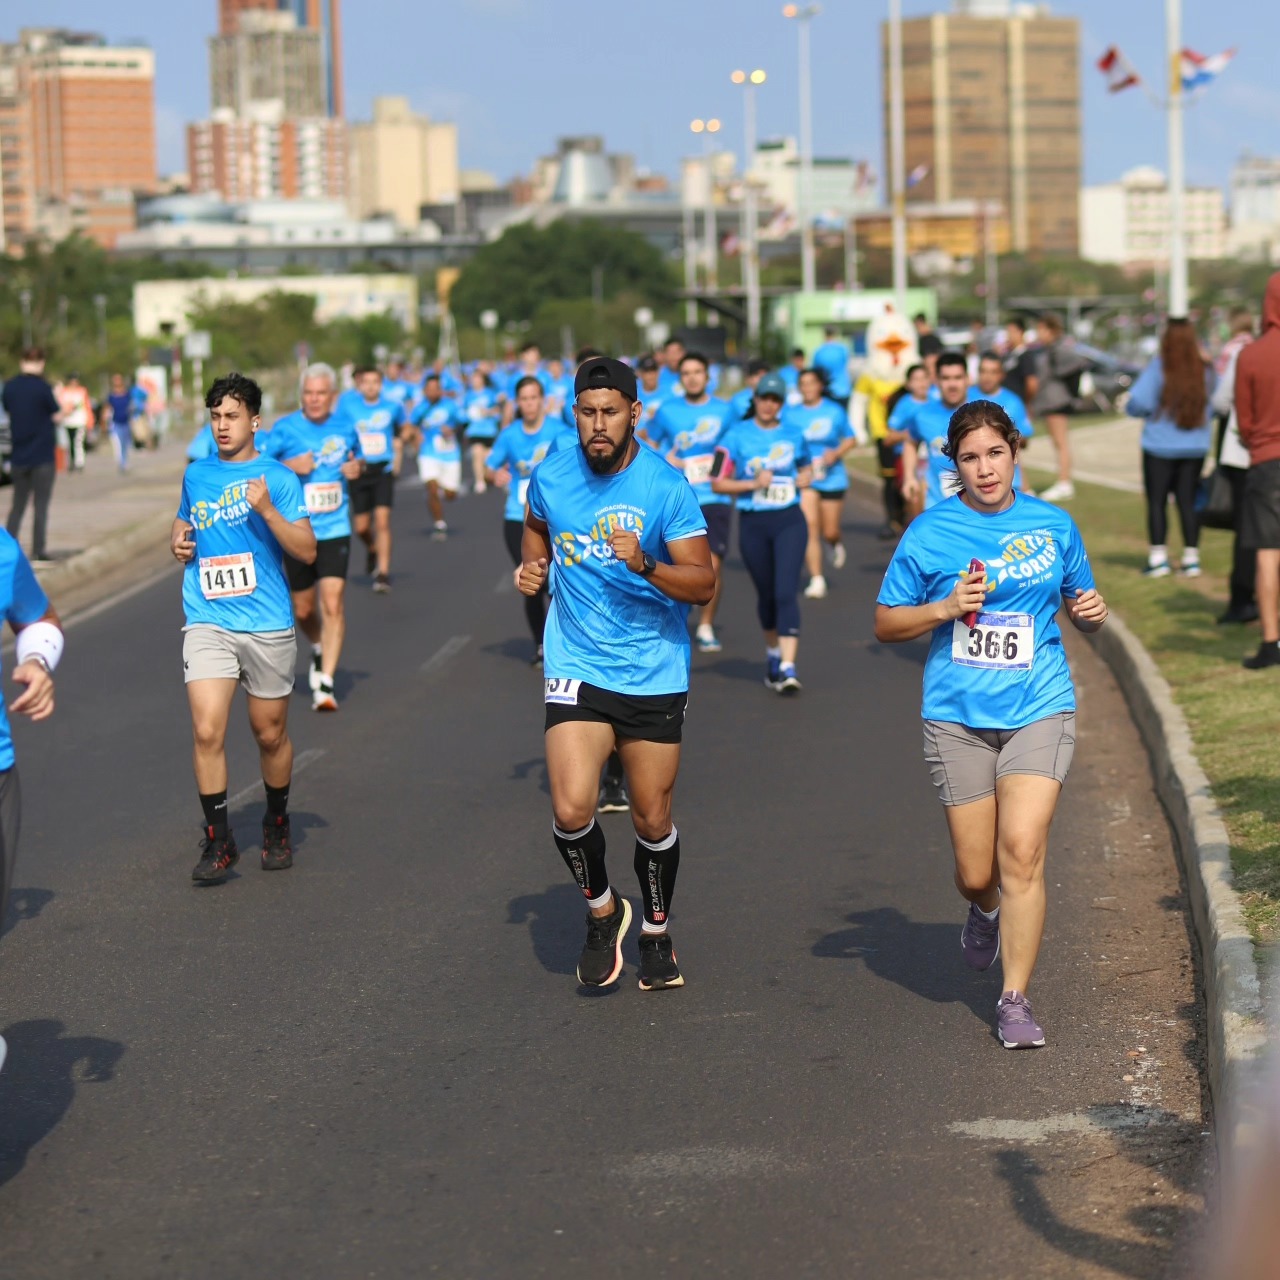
(118,547)
(1236,1018)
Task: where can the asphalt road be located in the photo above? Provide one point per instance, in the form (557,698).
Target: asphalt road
(379,1063)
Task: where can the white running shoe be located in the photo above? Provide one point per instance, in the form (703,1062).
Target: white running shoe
(1190,568)
(440,531)
(1059,491)
(315,675)
(4,1049)
(817,588)
(322,698)
(838,556)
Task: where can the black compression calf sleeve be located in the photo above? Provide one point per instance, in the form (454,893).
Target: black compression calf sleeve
(583,854)
(277,799)
(215,811)
(656,866)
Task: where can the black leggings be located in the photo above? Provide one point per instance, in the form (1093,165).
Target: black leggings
(535,607)
(773,545)
(1180,477)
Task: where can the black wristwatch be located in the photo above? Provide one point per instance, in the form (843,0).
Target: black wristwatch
(649,565)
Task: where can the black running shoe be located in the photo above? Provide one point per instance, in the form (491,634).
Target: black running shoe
(277,848)
(658,969)
(1268,655)
(601,960)
(613,797)
(218,854)
(381,583)
(536,660)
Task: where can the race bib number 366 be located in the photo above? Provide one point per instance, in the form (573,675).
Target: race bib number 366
(562,692)
(223,576)
(997,641)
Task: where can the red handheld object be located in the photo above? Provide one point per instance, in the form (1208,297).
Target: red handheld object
(975,566)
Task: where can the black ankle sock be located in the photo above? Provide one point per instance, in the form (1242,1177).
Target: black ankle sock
(277,800)
(583,854)
(215,811)
(656,866)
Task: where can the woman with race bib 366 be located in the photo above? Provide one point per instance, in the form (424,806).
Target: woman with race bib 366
(999,703)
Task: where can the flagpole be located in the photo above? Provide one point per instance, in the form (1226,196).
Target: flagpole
(897,157)
(1179,300)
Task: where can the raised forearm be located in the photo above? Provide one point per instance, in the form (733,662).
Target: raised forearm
(896,624)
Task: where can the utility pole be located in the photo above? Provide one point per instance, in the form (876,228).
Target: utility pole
(897,157)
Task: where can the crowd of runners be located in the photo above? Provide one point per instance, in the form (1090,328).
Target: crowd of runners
(619,484)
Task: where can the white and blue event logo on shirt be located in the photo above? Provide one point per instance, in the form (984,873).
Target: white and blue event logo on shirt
(573,548)
(231,509)
(1028,558)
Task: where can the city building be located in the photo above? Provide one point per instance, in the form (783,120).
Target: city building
(1127,222)
(400,161)
(992,110)
(1255,208)
(840,188)
(264,154)
(77,134)
(582,172)
(322,16)
(162,308)
(957,230)
(269,58)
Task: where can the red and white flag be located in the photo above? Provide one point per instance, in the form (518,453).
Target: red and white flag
(1120,72)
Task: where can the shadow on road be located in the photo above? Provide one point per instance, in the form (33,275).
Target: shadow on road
(555,919)
(246,822)
(25,904)
(921,958)
(39,1083)
(522,770)
(517,648)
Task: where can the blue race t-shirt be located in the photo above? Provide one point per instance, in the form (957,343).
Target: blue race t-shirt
(928,426)
(22,602)
(781,450)
(740,404)
(1011,403)
(440,424)
(825,426)
(607,625)
(236,580)
(324,491)
(1010,669)
(692,431)
(482,410)
(520,451)
(832,360)
(377,424)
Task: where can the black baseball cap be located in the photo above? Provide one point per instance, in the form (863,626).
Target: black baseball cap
(605,374)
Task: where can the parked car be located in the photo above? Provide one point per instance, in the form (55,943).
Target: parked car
(1105,384)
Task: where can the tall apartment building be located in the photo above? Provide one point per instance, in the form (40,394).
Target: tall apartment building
(1128,222)
(77,134)
(321,16)
(269,58)
(400,161)
(992,110)
(267,155)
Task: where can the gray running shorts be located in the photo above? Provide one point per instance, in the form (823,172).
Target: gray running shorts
(262,661)
(965,763)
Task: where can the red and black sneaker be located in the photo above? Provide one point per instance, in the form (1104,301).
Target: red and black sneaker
(218,854)
(277,849)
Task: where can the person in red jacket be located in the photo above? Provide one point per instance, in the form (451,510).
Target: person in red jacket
(1258,419)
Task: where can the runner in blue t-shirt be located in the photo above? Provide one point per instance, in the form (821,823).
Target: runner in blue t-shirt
(321,447)
(628,541)
(380,423)
(740,403)
(240,514)
(521,447)
(990,386)
(395,386)
(25,607)
(686,431)
(439,423)
(651,399)
(482,408)
(999,705)
(790,374)
(827,432)
(832,361)
(669,369)
(764,463)
(927,425)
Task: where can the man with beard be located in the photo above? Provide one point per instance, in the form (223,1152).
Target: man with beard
(631,555)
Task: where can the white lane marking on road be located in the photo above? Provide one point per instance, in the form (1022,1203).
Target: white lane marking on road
(450,649)
(301,761)
(119,597)
(1108,1119)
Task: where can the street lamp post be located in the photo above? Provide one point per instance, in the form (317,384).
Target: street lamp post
(1179,292)
(897,157)
(708,129)
(750,244)
(804,14)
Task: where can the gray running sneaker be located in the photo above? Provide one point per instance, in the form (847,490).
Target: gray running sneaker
(601,959)
(980,939)
(1016,1024)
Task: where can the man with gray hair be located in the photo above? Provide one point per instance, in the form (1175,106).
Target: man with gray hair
(322,447)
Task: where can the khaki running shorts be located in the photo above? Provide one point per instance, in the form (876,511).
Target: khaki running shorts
(262,661)
(965,763)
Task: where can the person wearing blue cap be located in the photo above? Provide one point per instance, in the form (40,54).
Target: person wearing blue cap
(764,463)
(629,544)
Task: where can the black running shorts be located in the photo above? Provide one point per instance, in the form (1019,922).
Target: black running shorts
(656,718)
(331,559)
(376,488)
(718,515)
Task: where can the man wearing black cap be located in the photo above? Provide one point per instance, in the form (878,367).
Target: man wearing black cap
(630,549)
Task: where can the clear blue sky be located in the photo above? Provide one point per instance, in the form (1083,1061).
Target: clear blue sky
(515,74)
